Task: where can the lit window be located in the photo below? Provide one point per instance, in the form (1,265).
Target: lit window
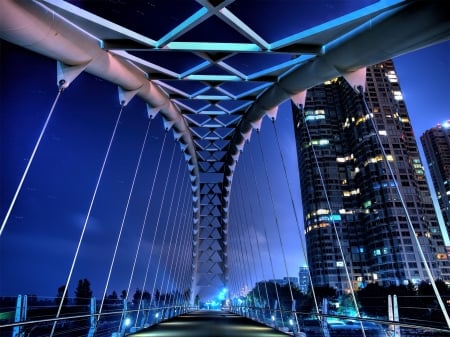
(397,95)
(392,76)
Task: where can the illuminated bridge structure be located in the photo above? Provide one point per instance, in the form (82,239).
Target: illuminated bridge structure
(212,70)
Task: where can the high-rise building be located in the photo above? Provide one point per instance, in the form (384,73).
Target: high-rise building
(436,146)
(365,198)
(303,279)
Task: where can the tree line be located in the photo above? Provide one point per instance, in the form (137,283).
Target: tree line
(416,303)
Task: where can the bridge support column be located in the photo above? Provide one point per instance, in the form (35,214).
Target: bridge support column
(393,315)
(21,314)
(93,322)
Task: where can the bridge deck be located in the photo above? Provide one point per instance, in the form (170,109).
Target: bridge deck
(210,323)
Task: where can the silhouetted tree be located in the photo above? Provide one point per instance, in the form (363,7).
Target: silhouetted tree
(59,296)
(157,296)
(373,299)
(197,300)
(123,294)
(83,293)
(137,296)
(113,296)
(187,295)
(428,302)
(325,292)
(264,295)
(146,296)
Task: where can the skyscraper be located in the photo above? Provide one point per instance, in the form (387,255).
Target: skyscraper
(365,198)
(303,279)
(436,145)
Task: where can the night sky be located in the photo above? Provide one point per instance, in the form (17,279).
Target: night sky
(39,240)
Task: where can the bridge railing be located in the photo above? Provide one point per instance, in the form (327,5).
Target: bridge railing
(118,318)
(306,324)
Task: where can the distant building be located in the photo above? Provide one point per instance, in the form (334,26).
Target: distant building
(303,279)
(293,281)
(353,213)
(436,145)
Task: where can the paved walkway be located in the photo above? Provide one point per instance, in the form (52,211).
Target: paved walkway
(210,324)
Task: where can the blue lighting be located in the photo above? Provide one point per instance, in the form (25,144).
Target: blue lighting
(183,26)
(280,66)
(214,46)
(335,217)
(213,78)
(213,97)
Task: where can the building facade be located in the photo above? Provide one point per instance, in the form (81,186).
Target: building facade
(303,279)
(366,202)
(436,146)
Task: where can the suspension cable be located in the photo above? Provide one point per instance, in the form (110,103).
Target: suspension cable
(242,248)
(141,235)
(125,213)
(239,256)
(187,241)
(36,146)
(167,224)
(66,286)
(303,245)
(242,235)
(176,223)
(258,246)
(156,231)
(265,234)
(175,262)
(276,222)
(416,240)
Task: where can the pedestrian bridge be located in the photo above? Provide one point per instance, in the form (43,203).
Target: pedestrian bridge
(159,111)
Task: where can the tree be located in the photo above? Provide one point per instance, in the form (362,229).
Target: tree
(146,297)
(187,296)
(157,296)
(123,295)
(197,300)
(137,296)
(59,296)
(83,293)
(373,299)
(113,296)
(427,301)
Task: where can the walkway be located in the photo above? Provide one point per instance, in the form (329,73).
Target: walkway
(210,323)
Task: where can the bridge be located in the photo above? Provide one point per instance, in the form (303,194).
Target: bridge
(191,217)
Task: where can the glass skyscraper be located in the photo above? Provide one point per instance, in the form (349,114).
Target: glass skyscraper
(436,146)
(353,162)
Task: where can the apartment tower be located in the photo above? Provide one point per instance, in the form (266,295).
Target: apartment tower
(436,146)
(365,197)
